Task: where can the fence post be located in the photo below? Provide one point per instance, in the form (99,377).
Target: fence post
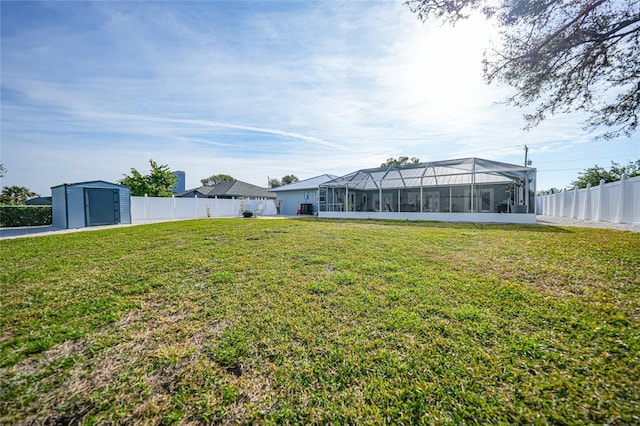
(173,208)
(146,207)
(195,208)
(587,203)
(547,207)
(622,199)
(574,205)
(600,200)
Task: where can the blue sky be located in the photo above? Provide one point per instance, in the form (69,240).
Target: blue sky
(258,89)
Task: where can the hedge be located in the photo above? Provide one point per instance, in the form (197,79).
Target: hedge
(25,216)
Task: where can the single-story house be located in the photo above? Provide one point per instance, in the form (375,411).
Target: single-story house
(228,189)
(38,201)
(302,195)
(462,190)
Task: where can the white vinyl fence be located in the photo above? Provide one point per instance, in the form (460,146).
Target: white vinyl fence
(617,202)
(165,208)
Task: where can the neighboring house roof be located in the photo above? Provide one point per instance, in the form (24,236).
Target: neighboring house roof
(228,189)
(38,201)
(311,183)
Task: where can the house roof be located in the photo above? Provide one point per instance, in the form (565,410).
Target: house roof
(38,201)
(234,188)
(311,183)
(449,172)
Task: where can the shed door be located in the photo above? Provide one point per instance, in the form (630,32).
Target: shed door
(102,206)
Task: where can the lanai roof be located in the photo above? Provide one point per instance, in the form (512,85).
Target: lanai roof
(438,173)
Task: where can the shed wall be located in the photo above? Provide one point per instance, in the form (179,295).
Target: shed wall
(75,207)
(59,207)
(125,205)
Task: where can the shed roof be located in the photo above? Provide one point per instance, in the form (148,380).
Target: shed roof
(449,172)
(94,183)
(311,183)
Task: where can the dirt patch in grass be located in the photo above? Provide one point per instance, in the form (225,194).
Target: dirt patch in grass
(140,364)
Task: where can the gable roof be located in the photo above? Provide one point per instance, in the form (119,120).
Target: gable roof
(311,183)
(38,201)
(233,188)
(93,183)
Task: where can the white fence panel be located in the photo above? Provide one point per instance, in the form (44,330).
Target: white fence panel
(617,202)
(631,208)
(165,208)
(159,208)
(186,208)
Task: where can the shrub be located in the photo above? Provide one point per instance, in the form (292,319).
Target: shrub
(25,216)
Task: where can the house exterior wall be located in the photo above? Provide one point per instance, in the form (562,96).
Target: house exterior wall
(290,200)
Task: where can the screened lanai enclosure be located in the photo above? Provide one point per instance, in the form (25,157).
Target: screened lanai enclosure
(469,190)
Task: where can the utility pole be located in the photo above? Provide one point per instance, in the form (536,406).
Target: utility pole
(526,154)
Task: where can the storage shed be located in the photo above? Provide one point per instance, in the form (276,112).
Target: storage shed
(78,205)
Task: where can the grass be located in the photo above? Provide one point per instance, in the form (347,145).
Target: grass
(312,321)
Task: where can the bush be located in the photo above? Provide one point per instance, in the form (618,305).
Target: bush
(25,216)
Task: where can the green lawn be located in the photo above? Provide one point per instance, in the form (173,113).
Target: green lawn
(310,321)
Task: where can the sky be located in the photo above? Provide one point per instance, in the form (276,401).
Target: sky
(259,89)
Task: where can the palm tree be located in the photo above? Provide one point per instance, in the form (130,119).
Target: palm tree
(15,195)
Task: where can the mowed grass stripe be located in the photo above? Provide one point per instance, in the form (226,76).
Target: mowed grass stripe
(321,321)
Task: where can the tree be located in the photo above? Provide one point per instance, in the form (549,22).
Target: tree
(158,183)
(549,191)
(593,175)
(400,161)
(15,195)
(212,180)
(274,183)
(561,56)
(286,180)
